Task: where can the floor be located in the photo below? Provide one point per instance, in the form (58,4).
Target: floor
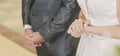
(9,48)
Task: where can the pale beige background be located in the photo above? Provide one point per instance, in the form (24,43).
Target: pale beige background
(10,17)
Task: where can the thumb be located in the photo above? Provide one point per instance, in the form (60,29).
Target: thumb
(87,23)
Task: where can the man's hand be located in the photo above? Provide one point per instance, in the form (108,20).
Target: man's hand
(37,38)
(33,38)
(28,35)
(28,31)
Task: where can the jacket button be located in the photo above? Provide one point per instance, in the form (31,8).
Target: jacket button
(33,14)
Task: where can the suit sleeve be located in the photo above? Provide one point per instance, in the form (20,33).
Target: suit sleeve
(25,11)
(60,21)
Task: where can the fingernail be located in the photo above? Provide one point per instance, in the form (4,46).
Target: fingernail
(40,45)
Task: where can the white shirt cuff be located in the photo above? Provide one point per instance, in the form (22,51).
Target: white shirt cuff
(27,26)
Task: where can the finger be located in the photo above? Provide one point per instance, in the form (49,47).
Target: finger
(34,39)
(26,34)
(69,30)
(81,23)
(29,42)
(74,29)
(40,44)
(77,27)
(37,45)
(29,33)
(76,35)
(28,37)
(73,34)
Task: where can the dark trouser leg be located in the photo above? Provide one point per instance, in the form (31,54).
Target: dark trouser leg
(43,51)
(74,45)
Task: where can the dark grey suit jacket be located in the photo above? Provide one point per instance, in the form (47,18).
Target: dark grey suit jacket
(51,18)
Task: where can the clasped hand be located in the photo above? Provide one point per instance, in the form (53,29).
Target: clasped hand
(77,28)
(33,38)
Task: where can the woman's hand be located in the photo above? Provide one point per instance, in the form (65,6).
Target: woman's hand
(77,27)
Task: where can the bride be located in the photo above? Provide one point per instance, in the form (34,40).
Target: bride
(99,27)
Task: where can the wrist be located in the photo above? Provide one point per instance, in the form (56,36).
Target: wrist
(94,30)
(28,30)
(87,29)
(91,29)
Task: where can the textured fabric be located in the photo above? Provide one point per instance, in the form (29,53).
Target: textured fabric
(94,45)
(100,13)
(51,19)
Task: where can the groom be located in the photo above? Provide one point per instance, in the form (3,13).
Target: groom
(46,23)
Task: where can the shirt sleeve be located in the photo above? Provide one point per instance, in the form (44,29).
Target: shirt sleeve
(27,26)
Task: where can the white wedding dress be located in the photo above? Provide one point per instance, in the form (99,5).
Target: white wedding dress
(100,13)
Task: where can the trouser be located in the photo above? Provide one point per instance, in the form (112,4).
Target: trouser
(44,51)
